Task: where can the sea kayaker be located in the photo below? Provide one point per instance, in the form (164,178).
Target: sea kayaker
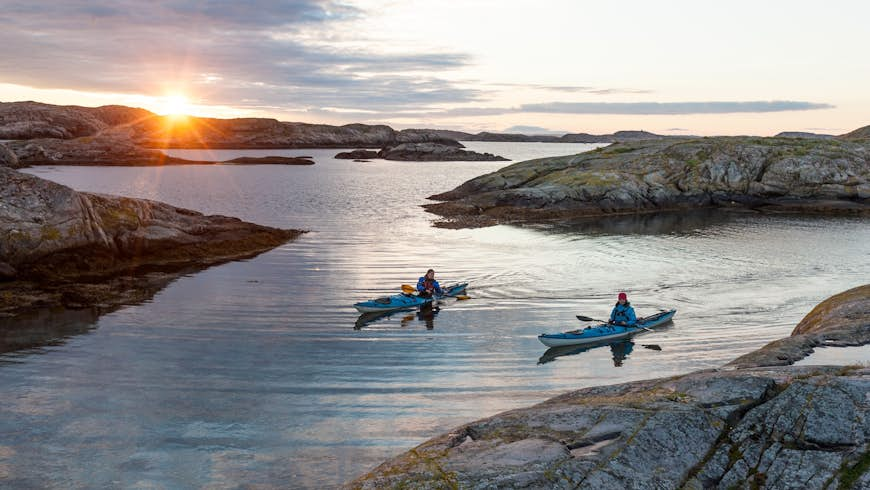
(623,313)
(427,285)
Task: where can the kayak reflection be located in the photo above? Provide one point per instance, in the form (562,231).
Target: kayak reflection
(620,350)
(426,314)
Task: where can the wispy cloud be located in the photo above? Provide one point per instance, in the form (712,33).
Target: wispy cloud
(532,130)
(648,108)
(621,108)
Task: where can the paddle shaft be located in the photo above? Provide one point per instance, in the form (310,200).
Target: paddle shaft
(587,319)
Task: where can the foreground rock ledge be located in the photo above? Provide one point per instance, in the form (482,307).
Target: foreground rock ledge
(753,427)
(57,243)
(781,174)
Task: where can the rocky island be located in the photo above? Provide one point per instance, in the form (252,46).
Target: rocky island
(775,174)
(751,424)
(45,134)
(444,151)
(59,247)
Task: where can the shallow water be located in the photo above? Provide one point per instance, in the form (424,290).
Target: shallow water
(837,356)
(256,372)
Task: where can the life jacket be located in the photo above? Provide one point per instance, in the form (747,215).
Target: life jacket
(623,313)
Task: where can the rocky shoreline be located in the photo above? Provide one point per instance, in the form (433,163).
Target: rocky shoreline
(59,247)
(768,174)
(753,423)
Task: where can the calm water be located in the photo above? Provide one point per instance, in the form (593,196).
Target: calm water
(255,372)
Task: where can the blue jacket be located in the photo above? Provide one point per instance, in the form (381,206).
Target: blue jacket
(623,313)
(421,285)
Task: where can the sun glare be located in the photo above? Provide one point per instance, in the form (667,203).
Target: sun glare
(174,105)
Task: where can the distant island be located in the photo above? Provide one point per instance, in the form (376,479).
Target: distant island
(34,120)
(46,134)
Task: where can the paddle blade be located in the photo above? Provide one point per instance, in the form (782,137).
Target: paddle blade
(407,288)
(463,297)
(652,346)
(585,318)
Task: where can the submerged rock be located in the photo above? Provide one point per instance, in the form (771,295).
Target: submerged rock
(434,152)
(777,174)
(53,238)
(752,427)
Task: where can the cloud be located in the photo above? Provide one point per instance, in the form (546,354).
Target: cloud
(671,108)
(570,88)
(532,130)
(240,54)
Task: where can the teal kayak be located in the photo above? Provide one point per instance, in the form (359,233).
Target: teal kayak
(605,332)
(405,300)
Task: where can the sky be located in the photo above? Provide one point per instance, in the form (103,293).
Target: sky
(543,66)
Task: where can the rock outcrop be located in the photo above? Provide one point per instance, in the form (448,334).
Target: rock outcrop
(842,320)
(357,155)
(434,152)
(8,158)
(755,427)
(60,242)
(271,160)
(105,150)
(783,174)
(30,120)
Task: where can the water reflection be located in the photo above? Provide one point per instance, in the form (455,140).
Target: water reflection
(425,313)
(43,328)
(671,222)
(620,350)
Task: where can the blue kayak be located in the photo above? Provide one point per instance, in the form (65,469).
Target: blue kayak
(405,300)
(605,332)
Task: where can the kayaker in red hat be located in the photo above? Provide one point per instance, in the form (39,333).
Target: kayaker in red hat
(427,285)
(623,313)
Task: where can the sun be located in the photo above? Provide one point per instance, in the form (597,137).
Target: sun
(174,105)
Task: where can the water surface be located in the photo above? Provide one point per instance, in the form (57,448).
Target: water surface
(256,372)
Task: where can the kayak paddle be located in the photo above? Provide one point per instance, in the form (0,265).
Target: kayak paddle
(587,319)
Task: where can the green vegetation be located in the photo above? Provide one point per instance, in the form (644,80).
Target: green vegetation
(850,475)
(619,150)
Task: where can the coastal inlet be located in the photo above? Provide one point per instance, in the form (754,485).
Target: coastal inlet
(252,372)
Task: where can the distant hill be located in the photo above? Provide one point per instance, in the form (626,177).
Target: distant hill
(618,136)
(858,134)
(800,134)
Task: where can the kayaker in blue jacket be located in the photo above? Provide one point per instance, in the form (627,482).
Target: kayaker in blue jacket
(623,313)
(427,285)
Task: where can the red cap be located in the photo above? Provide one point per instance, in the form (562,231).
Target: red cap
(623,296)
